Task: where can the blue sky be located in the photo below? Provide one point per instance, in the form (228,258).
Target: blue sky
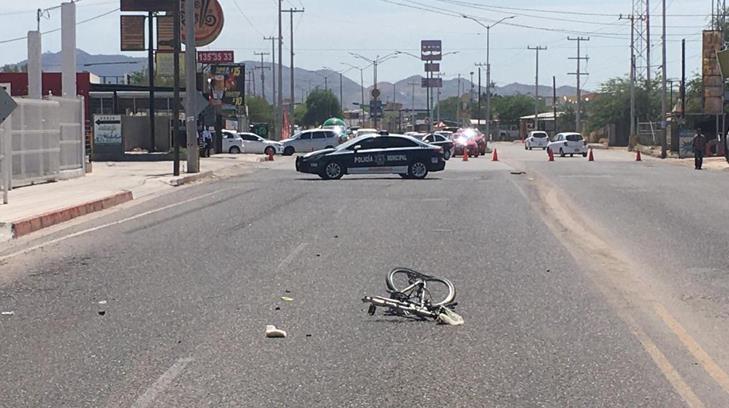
(329,29)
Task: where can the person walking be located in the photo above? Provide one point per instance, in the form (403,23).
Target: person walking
(699,145)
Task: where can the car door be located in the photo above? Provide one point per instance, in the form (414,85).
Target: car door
(230,139)
(398,153)
(366,152)
(303,143)
(252,143)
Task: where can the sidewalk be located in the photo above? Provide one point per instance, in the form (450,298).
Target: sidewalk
(110,183)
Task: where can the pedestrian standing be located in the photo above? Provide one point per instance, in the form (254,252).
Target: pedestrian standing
(207,141)
(699,145)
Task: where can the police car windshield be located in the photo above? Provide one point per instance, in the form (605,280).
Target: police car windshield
(353,142)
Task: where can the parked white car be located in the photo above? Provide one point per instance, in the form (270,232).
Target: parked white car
(568,143)
(536,139)
(234,142)
(309,141)
(256,144)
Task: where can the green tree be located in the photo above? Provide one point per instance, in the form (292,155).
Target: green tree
(299,112)
(508,109)
(320,106)
(448,108)
(259,110)
(612,105)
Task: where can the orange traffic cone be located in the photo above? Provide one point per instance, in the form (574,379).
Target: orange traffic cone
(550,154)
(465,154)
(495,156)
(637,156)
(590,157)
(270,156)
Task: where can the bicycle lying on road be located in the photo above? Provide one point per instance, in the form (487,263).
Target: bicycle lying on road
(417,295)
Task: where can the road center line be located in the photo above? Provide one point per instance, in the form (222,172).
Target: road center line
(111,224)
(291,256)
(707,363)
(145,400)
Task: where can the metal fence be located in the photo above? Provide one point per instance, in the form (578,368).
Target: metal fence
(42,140)
(650,133)
(73,148)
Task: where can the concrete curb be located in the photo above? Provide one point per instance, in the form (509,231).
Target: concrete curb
(176,182)
(17,229)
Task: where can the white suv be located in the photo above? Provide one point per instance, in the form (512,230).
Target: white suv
(568,143)
(536,139)
(309,141)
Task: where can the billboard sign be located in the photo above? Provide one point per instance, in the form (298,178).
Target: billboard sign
(431,82)
(215,57)
(228,85)
(711,73)
(132,33)
(107,129)
(148,5)
(431,50)
(165,34)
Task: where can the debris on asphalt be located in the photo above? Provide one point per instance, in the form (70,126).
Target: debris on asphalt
(308,335)
(449,317)
(10,313)
(287,299)
(287,291)
(518,172)
(273,332)
(277,308)
(102,312)
(102,302)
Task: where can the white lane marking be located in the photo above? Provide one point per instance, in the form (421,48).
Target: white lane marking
(292,255)
(86,231)
(146,399)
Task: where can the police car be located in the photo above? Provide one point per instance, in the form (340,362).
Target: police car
(375,154)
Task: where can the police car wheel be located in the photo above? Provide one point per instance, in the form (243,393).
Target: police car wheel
(333,170)
(447,155)
(418,170)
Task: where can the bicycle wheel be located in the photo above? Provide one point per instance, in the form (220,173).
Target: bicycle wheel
(437,291)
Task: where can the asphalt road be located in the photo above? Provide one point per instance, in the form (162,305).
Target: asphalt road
(164,303)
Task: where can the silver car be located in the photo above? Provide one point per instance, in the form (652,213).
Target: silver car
(568,143)
(309,141)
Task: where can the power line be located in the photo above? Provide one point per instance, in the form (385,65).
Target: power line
(58,29)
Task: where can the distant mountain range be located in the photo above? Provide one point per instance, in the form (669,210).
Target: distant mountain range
(113,67)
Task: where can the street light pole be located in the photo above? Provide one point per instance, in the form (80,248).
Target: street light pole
(378,60)
(488,67)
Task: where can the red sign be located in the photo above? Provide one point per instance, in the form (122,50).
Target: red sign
(208,21)
(215,57)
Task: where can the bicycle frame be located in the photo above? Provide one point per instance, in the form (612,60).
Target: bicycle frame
(420,285)
(399,305)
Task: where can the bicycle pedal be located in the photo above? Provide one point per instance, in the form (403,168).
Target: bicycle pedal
(371,310)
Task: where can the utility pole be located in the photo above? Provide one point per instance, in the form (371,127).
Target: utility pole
(279,101)
(150,65)
(480,91)
(193,151)
(341,93)
(647,19)
(263,75)
(470,93)
(412,103)
(478,111)
(273,81)
(291,69)
(632,19)
(458,108)
(578,74)
(664,144)
(176,90)
(554,102)
(536,85)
